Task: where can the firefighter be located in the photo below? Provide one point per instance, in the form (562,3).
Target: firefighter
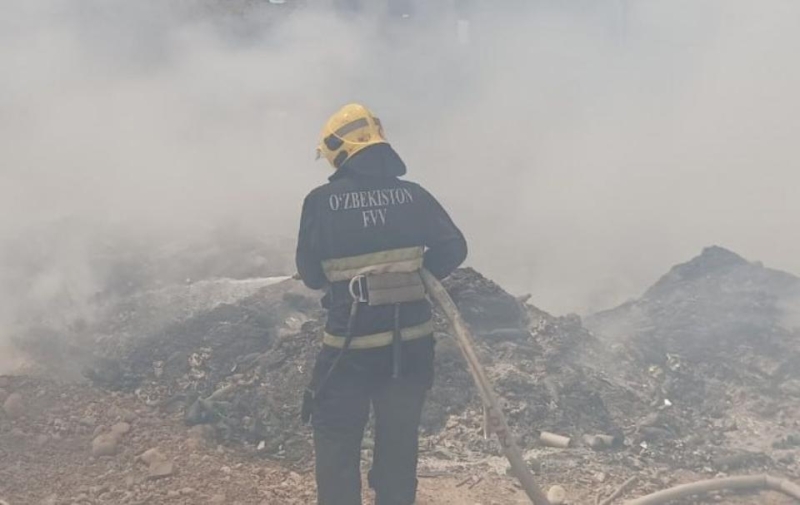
(364,237)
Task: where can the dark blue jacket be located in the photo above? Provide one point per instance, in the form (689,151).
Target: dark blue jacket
(365,208)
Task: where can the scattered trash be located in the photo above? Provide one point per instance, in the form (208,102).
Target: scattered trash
(554,440)
(236,370)
(557,495)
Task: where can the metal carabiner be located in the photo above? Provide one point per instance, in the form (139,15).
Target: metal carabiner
(361,296)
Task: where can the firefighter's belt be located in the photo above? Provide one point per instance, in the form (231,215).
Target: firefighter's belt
(380,339)
(389,288)
(404,260)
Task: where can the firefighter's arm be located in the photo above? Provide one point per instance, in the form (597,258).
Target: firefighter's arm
(307,257)
(446,246)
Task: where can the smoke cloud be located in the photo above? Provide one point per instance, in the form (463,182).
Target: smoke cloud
(583,147)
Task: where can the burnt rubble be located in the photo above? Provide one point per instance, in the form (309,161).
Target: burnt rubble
(240,368)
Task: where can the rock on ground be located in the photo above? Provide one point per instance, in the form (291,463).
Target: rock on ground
(14,406)
(105,445)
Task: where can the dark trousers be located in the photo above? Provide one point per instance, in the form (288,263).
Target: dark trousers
(339,418)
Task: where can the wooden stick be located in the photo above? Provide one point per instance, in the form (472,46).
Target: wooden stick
(476,482)
(616,494)
(464,481)
(221,392)
(497,420)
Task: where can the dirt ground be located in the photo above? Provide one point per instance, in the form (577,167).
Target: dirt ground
(189,395)
(49,454)
(47,457)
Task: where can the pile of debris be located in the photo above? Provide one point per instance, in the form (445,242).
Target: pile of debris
(242,366)
(66,282)
(236,355)
(713,341)
(640,393)
(716,303)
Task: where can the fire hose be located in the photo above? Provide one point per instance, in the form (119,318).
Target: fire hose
(499,426)
(497,421)
(743,483)
(512,451)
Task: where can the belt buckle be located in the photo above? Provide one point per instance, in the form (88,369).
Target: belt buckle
(358,280)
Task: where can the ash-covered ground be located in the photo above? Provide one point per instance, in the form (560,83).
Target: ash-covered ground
(697,378)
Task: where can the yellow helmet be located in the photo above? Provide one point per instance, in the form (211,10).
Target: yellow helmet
(348,131)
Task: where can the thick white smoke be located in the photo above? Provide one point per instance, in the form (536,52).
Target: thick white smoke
(584,147)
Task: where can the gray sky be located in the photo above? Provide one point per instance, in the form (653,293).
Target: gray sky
(582,148)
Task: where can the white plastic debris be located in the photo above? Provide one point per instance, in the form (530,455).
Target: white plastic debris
(557,495)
